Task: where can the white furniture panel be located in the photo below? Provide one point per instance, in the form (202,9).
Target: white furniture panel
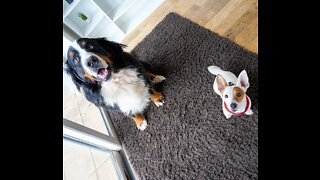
(113,19)
(136,14)
(106,28)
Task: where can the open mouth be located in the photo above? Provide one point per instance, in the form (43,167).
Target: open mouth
(103,73)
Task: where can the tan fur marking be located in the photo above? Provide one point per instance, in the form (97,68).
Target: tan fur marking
(71,53)
(156,96)
(83,42)
(106,59)
(86,74)
(237,90)
(138,119)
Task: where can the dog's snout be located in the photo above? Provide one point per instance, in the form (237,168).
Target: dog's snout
(92,61)
(233,105)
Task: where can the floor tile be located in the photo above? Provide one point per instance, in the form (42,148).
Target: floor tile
(92,118)
(99,156)
(107,171)
(93,176)
(79,164)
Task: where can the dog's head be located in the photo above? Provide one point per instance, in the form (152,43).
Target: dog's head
(93,59)
(234,95)
(90,61)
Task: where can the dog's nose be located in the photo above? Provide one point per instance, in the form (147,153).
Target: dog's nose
(94,59)
(233,105)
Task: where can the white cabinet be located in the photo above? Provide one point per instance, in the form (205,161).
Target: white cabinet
(113,19)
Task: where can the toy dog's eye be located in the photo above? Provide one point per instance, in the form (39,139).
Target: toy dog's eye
(238,94)
(226,96)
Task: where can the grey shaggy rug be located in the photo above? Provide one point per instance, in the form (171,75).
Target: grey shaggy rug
(189,137)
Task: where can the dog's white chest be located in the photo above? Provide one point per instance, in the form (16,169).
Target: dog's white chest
(126,90)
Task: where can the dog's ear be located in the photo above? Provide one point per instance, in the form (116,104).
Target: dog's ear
(68,70)
(222,83)
(243,80)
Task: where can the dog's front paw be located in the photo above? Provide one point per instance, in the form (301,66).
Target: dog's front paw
(249,112)
(160,101)
(157,98)
(143,125)
(158,79)
(228,116)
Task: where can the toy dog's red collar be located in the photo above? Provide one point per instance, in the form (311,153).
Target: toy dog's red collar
(238,114)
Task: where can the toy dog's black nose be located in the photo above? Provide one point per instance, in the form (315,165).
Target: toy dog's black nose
(233,105)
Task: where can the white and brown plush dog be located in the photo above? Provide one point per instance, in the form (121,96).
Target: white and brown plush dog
(232,90)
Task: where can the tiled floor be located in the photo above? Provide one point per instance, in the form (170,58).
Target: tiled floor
(82,162)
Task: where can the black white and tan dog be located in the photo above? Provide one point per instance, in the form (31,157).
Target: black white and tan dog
(112,78)
(232,91)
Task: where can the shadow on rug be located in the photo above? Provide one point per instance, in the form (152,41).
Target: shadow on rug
(189,137)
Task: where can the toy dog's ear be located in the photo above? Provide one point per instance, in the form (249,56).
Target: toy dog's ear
(243,80)
(221,82)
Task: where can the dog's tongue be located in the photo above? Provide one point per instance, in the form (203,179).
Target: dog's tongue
(102,73)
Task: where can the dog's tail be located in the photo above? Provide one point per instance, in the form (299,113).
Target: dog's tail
(214,70)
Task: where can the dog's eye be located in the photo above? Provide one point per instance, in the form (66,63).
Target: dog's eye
(226,96)
(90,47)
(238,94)
(76,60)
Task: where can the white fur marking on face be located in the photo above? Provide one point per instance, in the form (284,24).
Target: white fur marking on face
(126,90)
(227,91)
(143,125)
(92,71)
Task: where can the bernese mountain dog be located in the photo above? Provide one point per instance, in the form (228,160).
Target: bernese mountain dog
(110,77)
